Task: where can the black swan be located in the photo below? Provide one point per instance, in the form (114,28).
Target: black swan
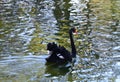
(58,54)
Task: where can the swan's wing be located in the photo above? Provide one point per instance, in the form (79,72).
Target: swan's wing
(60,56)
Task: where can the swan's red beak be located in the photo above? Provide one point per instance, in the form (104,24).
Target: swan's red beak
(75,32)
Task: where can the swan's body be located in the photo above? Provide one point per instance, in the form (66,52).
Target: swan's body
(59,54)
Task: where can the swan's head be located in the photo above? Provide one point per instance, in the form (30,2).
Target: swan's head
(73,30)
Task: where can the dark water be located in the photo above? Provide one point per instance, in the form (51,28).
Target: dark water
(26,26)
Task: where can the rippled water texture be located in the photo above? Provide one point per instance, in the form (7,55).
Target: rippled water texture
(26,26)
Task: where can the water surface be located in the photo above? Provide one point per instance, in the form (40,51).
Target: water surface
(26,26)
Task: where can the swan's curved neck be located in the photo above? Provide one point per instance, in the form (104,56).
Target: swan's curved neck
(72,44)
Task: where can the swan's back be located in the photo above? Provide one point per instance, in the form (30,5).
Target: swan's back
(59,53)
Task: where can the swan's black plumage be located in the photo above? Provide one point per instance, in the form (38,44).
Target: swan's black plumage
(59,54)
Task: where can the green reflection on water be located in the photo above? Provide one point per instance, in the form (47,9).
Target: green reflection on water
(36,44)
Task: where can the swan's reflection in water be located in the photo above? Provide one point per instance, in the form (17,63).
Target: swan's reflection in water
(56,70)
